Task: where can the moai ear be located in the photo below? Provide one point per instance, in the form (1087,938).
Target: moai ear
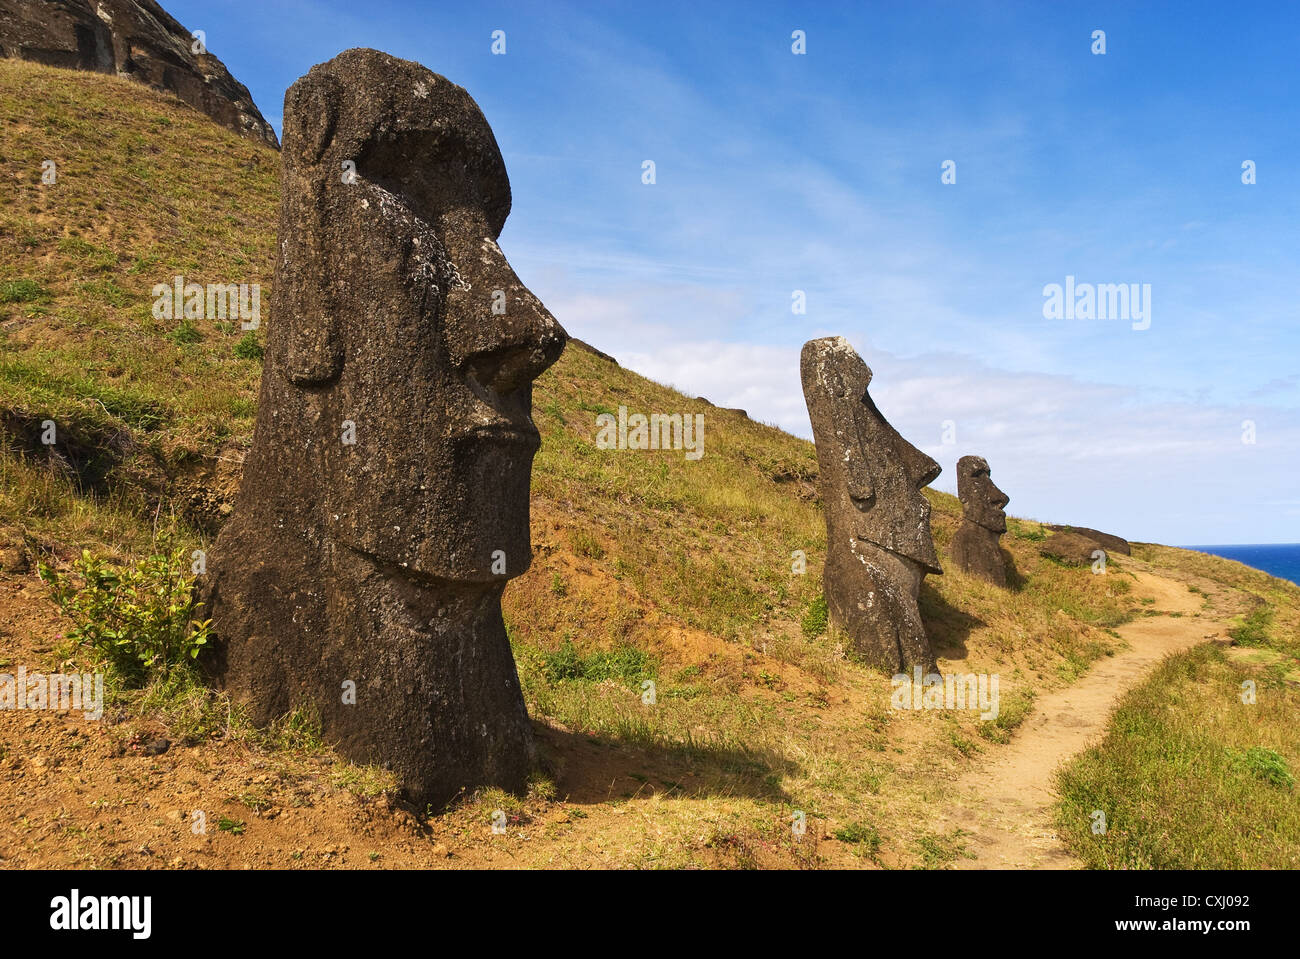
(861,490)
(315,354)
(315,351)
(311,111)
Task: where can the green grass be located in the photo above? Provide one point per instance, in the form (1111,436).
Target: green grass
(1013,709)
(88,250)
(860,834)
(1254,629)
(1189,776)
(23,291)
(815,618)
(1266,764)
(626,664)
(647,566)
(940,851)
(248,348)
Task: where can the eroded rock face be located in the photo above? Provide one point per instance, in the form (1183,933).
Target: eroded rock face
(1107,541)
(878,543)
(133,38)
(384,502)
(976,546)
(1072,548)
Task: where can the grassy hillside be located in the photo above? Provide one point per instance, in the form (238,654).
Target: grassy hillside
(1198,768)
(647,566)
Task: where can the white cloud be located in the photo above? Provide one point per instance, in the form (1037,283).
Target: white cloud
(1064,449)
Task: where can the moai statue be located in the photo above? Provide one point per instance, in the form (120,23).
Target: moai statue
(384,501)
(975,546)
(878,544)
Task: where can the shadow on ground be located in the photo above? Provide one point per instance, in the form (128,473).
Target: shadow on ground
(596,768)
(947,626)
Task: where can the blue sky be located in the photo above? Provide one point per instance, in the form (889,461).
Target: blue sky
(821,173)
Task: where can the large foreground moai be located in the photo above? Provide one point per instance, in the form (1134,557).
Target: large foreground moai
(976,546)
(384,502)
(878,544)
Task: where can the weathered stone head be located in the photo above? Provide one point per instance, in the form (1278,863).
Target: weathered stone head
(982,502)
(879,546)
(877,481)
(385,499)
(975,546)
(398,301)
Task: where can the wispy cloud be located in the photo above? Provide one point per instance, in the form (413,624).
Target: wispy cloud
(1064,449)
(822,173)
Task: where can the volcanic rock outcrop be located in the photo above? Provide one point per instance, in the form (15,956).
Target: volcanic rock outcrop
(976,547)
(384,501)
(878,543)
(132,38)
(1071,548)
(1107,541)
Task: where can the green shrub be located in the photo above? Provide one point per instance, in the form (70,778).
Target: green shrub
(185,333)
(1268,764)
(859,833)
(1254,630)
(23,291)
(248,348)
(137,619)
(814,618)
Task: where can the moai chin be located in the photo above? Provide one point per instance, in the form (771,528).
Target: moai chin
(976,546)
(878,543)
(384,501)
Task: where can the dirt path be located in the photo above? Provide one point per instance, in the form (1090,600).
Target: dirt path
(1007,803)
(76,793)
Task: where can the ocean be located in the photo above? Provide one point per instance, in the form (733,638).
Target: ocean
(1277,559)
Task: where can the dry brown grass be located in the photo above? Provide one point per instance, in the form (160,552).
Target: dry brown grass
(647,566)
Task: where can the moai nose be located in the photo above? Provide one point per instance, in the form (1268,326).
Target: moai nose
(918,467)
(497,330)
(999,498)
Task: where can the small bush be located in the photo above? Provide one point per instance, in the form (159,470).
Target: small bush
(23,291)
(185,333)
(248,348)
(1266,764)
(860,834)
(814,618)
(1254,630)
(137,619)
